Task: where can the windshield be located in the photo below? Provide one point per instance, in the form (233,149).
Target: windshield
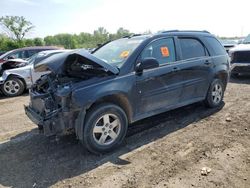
(116,52)
(247,40)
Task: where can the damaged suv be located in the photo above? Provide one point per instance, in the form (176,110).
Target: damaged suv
(96,96)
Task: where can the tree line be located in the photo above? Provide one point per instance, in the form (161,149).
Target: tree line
(17,28)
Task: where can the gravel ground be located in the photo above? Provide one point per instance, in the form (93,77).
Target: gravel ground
(167,150)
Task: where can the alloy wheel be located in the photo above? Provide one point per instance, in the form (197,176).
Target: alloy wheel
(107,129)
(11,87)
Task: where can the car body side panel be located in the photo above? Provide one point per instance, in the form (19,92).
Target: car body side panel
(22,72)
(116,85)
(158,88)
(195,78)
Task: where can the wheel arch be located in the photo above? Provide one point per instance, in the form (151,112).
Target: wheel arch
(118,99)
(223,76)
(19,77)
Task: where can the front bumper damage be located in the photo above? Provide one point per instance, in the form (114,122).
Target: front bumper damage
(45,123)
(51,118)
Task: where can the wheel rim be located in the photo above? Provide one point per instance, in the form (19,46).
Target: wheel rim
(11,87)
(107,129)
(217,93)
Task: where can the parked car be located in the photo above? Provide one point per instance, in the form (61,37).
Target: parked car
(98,95)
(240,58)
(17,75)
(228,44)
(24,53)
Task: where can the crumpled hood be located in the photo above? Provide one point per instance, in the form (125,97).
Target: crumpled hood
(12,64)
(57,63)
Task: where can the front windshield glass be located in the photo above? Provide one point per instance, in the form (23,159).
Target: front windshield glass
(247,40)
(116,52)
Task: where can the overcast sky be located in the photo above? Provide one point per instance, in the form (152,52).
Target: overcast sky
(220,17)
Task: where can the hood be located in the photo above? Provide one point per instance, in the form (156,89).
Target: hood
(241,47)
(61,63)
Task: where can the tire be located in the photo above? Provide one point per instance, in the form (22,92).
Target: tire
(215,94)
(105,128)
(13,87)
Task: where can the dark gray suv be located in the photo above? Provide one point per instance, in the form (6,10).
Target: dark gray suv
(96,96)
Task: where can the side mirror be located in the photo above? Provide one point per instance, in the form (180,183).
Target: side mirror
(147,63)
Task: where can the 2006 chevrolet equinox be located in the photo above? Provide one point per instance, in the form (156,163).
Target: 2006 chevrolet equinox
(98,95)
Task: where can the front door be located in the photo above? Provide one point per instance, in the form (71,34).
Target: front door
(159,88)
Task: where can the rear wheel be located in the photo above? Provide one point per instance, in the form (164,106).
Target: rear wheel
(215,94)
(13,87)
(105,128)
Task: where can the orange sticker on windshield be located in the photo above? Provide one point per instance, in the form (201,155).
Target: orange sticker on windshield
(124,54)
(164,51)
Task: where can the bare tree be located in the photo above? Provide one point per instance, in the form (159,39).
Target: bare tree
(16,27)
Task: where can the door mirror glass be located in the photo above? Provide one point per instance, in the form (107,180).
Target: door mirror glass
(147,63)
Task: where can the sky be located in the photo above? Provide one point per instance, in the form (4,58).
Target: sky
(50,17)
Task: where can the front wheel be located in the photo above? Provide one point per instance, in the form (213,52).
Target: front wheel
(215,94)
(13,87)
(105,128)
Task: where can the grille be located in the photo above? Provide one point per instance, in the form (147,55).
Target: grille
(241,57)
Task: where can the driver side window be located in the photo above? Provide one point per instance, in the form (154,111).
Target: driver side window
(163,50)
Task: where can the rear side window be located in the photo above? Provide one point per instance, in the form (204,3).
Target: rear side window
(191,48)
(163,50)
(215,46)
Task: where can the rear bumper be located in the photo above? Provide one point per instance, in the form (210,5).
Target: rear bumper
(240,68)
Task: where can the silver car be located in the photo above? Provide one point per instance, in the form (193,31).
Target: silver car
(16,77)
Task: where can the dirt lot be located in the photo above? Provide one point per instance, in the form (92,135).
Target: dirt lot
(168,150)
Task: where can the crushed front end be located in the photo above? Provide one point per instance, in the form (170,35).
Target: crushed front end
(49,106)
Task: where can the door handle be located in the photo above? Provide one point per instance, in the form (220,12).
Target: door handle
(175,69)
(208,62)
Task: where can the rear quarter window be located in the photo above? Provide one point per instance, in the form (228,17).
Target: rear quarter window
(215,46)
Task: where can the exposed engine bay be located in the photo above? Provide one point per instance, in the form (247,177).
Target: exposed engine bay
(51,105)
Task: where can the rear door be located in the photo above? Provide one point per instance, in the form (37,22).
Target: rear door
(158,88)
(195,68)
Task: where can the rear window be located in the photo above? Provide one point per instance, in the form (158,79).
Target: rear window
(215,46)
(191,48)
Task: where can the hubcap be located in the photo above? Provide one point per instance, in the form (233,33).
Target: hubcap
(217,93)
(107,129)
(11,87)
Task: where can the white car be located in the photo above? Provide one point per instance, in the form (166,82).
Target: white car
(16,78)
(240,58)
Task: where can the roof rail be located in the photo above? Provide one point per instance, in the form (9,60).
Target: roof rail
(132,35)
(169,31)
